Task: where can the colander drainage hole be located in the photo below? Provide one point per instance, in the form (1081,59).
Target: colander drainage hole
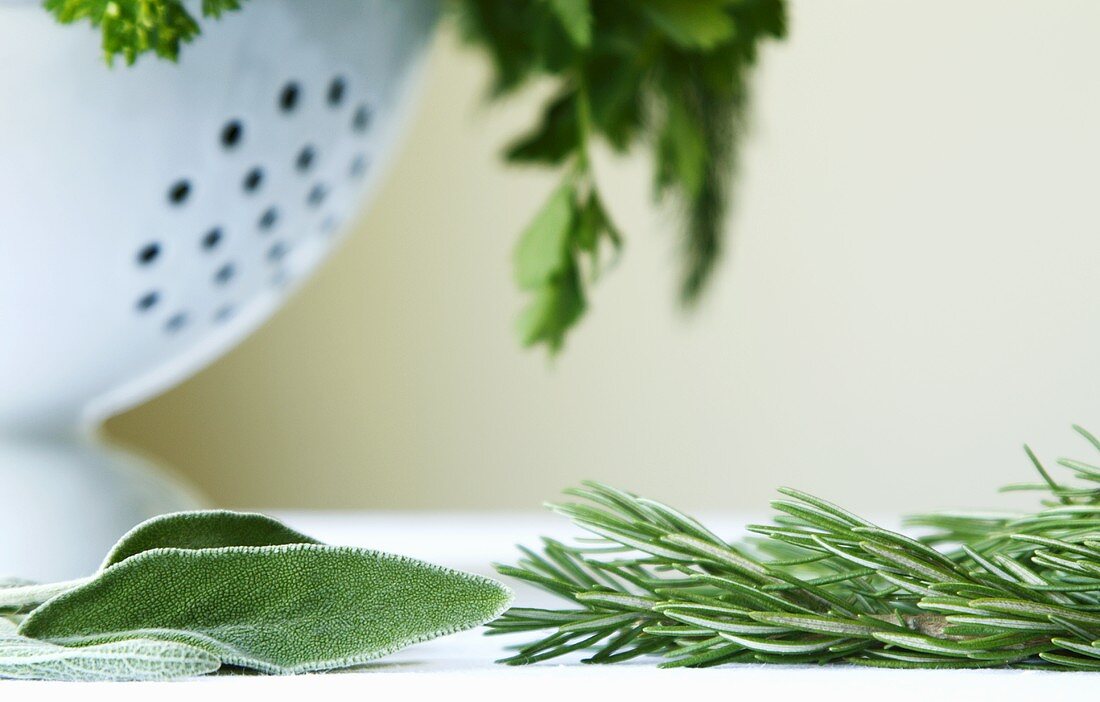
(176,322)
(336,91)
(148,254)
(280,279)
(212,238)
(290,97)
(148,301)
(277,252)
(225,274)
(306,157)
(253,180)
(362,119)
(232,134)
(358,166)
(269,219)
(179,192)
(224,314)
(317,195)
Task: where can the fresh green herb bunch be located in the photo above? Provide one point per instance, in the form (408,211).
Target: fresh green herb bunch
(822,585)
(671,75)
(667,74)
(134,27)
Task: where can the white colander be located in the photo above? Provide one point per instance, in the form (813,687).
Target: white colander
(151,217)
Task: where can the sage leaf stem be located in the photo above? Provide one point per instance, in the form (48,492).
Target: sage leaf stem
(23,597)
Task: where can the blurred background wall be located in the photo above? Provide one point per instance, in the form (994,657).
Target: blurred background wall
(912,293)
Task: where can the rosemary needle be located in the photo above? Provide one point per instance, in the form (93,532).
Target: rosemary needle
(823,585)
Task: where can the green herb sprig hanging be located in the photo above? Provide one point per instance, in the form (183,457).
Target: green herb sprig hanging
(672,76)
(666,75)
(821,584)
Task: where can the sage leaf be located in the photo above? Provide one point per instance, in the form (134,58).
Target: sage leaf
(277,609)
(22,658)
(189,530)
(21,598)
(206,529)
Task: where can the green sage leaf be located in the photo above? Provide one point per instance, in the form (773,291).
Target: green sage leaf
(22,658)
(23,598)
(188,530)
(207,529)
(277,609)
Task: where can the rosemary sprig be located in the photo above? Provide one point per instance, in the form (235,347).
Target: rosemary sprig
(821,584)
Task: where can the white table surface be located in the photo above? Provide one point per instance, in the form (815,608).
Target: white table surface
(462,665)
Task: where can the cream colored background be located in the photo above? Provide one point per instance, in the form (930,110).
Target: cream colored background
(913,292)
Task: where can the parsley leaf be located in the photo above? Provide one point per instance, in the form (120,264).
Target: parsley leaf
(543,250)
(576,19)
(131,28)
(701,24)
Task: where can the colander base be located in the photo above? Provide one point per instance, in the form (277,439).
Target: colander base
(69,500)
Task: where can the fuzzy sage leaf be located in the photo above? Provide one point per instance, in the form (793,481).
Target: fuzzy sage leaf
(180,595)
(191,530)
(205,529)
(277,609)
(22,658)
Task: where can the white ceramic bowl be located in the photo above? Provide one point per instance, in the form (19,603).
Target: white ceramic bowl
(151,217)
